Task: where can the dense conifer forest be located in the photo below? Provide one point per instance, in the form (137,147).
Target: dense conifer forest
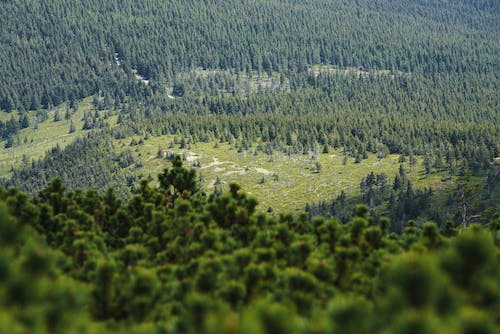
(59,50)
(110,222)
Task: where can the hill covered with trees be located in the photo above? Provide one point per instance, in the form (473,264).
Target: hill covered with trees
(58,50)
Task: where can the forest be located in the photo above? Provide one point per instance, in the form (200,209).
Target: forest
(174,259)
(58,50)
(277,166)
(451,135)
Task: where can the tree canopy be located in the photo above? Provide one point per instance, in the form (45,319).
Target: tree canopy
(73,261)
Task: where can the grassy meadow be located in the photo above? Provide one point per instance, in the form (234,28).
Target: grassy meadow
(34,142)
(280,181)
(283,182)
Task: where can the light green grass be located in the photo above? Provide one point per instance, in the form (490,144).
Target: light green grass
(5,116)
(34,143)
(245,82)
(359,72)
(285,183)
(289,181)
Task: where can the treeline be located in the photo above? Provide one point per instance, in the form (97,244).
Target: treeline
(58,50)
(10,128)
(452,121)
(446,117)
(173,259)
(89,162)
(466,200)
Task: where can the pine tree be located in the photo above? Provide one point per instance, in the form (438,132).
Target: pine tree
(178,181)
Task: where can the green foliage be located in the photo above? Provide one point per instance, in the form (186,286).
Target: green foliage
(36,295)
(178,181)
(58,51)
(214,264)
(94,250)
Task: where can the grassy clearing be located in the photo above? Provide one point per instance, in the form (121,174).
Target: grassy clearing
(285,183)
(359,72)
(242,83)
(280,181)
(34,143)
